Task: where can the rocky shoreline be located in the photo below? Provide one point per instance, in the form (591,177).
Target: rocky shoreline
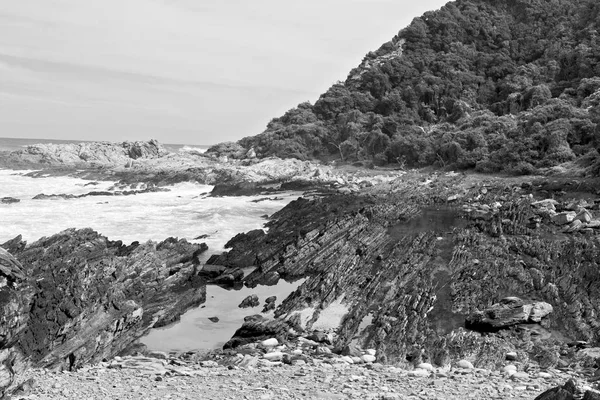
(407,274)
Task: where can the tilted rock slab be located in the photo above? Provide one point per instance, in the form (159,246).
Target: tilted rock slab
(77,297)
(385,276)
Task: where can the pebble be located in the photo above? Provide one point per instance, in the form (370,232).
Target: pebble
(273,356)
(464,364)
(426,366)
(519,376)
(368,358)
(270,342)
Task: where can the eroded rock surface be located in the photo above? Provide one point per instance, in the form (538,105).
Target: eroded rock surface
(401,267)
(76,297)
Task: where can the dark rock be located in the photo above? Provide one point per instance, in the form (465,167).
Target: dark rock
(87,298)
(239,189)
(268,279)
(271,299)
(15,296)
(565,392)
(151,189)
(243,252)
(320,337)
(213,319)
(257,328)
(229,277)
(212,271)
(9,200)
(268,307)
(250,301)
(589,395)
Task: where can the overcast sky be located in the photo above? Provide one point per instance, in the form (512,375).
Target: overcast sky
(180,71)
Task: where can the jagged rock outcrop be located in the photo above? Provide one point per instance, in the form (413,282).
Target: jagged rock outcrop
(85,298)
(400,269)
(571,390)
(105,153)
(14,317)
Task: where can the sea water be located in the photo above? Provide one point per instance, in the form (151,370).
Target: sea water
(185,212)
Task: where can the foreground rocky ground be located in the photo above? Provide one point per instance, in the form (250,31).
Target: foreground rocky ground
(319,381)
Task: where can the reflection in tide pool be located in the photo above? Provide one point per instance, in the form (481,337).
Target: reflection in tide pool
(195,330)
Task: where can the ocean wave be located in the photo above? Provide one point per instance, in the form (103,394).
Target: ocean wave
(193,150)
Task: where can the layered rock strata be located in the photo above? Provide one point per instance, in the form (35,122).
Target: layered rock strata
(401,268)
(76,297)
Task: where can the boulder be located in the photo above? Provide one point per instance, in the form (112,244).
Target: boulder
(584,216)
(257,328)
(564,218)
(508,312)
(250,301)
(229,277)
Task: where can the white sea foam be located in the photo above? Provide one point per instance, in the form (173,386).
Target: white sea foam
(193,150)
(184,212)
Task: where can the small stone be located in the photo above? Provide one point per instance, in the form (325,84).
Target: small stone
(464,364)
(368,358)
(564,218)
(426,367)
(270,342)
(274,356)
(209,364)
(511,356)
(418,373)
(519,376)
(509,369)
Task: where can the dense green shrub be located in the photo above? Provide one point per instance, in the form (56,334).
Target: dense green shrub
(495,85)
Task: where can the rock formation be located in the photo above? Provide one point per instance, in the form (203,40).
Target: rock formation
(85,298)
(103,153)
(401,270)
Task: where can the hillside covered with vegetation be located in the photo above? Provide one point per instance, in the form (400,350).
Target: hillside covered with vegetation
(490,85)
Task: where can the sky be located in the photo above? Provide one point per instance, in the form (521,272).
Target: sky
(180,71)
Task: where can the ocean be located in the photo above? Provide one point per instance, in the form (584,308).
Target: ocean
(186,211)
